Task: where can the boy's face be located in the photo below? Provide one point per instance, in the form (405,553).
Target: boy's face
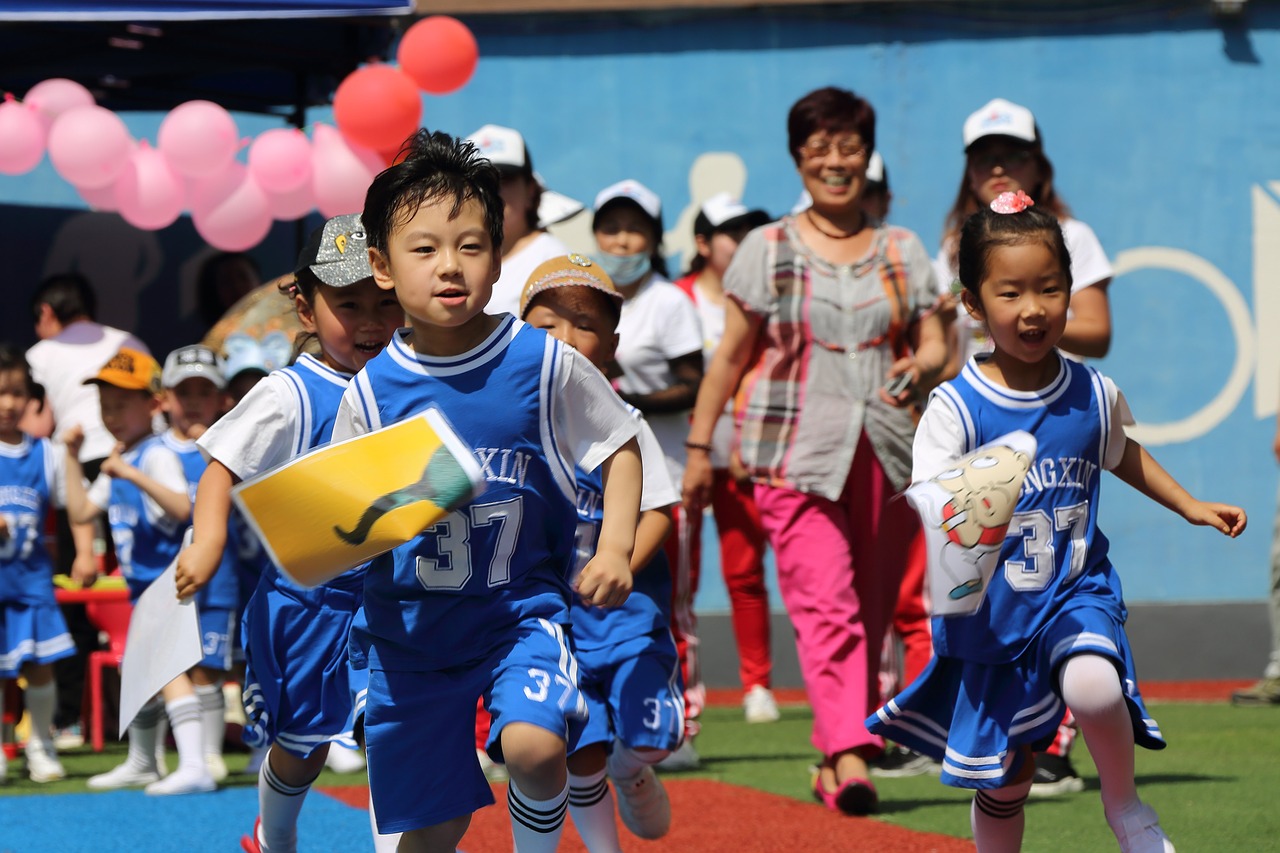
(442,269)
(126,413)
(193,405)
(354,323)
(577,316)
(14,396)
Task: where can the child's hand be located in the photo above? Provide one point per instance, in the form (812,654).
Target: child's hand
(73,439)
(196,566)
(84,570)
(1228,519)
(605,581)
(115,466)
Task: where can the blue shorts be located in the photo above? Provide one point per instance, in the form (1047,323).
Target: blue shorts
(34,633)
(420,726)
(217,637)
(974,717)
(297,691)
(633,693)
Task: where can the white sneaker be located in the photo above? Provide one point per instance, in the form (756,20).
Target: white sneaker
(643,804)
(216,765)
(123,776)
(759,706)
(343,760)
(183,781)
(43,764)
(493,771)
(1139,832)
(684,758)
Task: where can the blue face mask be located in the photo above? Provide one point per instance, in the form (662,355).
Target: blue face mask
(625,269)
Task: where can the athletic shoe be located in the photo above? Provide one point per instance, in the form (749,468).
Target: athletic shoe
(759,706)
(343,760)
(69,738)
(216,765)
(183,781)
(123,776)
(493,771)
(1054,775)
(249,843)
(43,766)
(1265,692)
(1139,832)
(684,758)
(898,762)
(643,804)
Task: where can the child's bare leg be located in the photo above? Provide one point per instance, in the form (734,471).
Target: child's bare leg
(539,790)
(441,838)
(997,815)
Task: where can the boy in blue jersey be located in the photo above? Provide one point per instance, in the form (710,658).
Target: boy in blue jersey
(143,490)
(194,395)
(477,604)
(630,669)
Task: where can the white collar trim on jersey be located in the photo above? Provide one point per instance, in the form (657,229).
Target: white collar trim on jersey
(1010,399)
(484,352)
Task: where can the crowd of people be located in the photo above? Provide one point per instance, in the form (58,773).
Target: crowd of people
(800,375)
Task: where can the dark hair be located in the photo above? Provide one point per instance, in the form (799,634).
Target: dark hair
(208,300)
(508,172)
(70,296)
(738,227)
(832,110)
(987,230)
(657,260)
(12,358)
(436,167)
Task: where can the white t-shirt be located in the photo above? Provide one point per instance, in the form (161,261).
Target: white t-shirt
(658,324)
(515,272)
(657,490)
(62,363)
(711,316)
(259,433)
(1089,265)
(160,464)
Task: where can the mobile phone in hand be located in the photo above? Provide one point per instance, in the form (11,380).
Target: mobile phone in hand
(897,384)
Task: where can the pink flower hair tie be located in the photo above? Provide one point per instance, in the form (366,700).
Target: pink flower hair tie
(1012,202)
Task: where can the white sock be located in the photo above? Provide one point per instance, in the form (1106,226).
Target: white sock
(591,807)
(1091,688)
(278,808)
(382,843)
(188,734)
(213,712)
(40,702)
(997,818)
(536,824)
(142,735)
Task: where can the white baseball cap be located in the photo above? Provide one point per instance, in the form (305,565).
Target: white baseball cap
(722,207)
(1000,118)
(555,207)
(503,147)
(875,168)
(194,361)
(634,190)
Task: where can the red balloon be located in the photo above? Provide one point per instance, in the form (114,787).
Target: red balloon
(377,107)
(439,53)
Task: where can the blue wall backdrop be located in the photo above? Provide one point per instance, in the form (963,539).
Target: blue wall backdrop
(1163,125)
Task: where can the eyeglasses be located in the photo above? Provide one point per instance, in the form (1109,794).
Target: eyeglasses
(847,148)
(1013,157)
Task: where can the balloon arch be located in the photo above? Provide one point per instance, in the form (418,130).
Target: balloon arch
(193,165)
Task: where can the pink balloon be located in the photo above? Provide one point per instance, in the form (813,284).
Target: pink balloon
(89,146)
(102,199)
(198,138)
(280,160)
(55,96)
(22,137)
(238,221)
(149,194)
(208,192)
(341,172)
(286,207)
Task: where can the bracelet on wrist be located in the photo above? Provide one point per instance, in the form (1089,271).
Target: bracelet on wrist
(697,445)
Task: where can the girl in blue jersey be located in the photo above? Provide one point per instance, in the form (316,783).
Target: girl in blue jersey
(627,655)
(33,633)
(299,693)
(1050,630)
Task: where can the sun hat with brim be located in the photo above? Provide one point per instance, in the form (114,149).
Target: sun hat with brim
(568,271)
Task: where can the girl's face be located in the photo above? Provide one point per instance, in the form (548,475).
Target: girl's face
(1023,301)
(833,168)
(353,323)
(14,396)
(718,250)
(517,198)
(996,165)
(625,229)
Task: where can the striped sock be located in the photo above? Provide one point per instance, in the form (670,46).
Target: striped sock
(213,710)
(997,818)
(278,808)
(143,735)
(591,807)
(536,824)
(188,734)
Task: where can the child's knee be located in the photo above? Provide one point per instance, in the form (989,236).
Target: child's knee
(435,839)
(1090,685)
(530,750)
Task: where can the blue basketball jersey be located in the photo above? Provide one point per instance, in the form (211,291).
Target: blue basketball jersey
(27,476)
(1053,557)
(144,547)
(463,586)
(223,589)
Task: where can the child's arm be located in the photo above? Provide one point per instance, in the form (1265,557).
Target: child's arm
(199,561)
(84,568)
(651,534)
(173,503)
(1139,469)
(606,579)
(80,510)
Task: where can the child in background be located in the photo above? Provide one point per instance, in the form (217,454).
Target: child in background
(478,603)
(193,400)
(33,633)
(630,673)
(143,490)
(1051,631)
(299,688)
(718,229)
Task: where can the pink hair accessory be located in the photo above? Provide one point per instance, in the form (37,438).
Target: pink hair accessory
(1012,202)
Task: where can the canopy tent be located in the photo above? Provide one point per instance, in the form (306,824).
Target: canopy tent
(168,10)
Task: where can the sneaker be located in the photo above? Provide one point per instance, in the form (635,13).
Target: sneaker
(216,765)
(250,843)
(183,782)
(493,771)
(343,760)
(1265,692)
(684,758)
(1054,775)
(43,764)
(643,804)
(69,738)
(123,776)
(898,762)
(759,706)
(1139,832)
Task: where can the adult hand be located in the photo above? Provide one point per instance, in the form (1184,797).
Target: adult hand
(696,488)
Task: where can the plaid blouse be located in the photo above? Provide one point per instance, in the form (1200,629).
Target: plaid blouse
(822,355)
